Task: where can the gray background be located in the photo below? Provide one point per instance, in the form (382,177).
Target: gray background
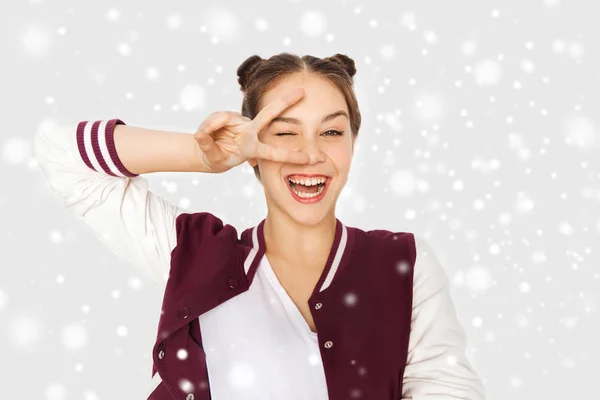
(480,132)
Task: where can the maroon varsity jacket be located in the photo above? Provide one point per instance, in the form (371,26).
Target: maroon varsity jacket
(364,348)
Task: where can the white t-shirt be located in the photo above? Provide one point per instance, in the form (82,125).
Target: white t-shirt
(139,227)
(259,339)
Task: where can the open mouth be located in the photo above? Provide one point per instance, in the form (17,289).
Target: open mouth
(308,194)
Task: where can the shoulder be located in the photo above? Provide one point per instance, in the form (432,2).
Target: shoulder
(430,276)
(195,228)
(425,255)
(392,241)
(202,220)
(414,249)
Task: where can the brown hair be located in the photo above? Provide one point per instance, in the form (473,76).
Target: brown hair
(256,76)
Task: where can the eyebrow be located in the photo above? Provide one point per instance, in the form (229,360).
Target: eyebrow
(295,121)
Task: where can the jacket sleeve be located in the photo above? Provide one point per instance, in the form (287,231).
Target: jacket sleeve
(437,367)
(83,169)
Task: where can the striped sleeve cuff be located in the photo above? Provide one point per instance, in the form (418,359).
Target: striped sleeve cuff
(96,144)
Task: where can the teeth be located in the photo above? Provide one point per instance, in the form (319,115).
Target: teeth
(309,195)
(308,181)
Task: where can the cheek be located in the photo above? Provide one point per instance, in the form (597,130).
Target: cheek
(268,167)
(340,155)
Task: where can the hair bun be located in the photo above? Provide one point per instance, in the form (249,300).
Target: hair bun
(247,68)
(346,62)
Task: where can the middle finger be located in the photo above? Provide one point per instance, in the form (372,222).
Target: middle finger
(276,107)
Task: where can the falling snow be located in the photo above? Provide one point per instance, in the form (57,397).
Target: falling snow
(75,336)
(479,128)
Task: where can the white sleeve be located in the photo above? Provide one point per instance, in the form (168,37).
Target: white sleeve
(82,167)
(437,367)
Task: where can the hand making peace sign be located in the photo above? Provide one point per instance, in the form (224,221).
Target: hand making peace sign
(228,139)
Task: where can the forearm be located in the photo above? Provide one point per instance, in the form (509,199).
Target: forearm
(143,150)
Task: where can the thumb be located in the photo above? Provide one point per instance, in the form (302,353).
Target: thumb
(204,140)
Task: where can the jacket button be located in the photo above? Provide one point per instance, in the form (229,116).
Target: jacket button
(161,354)
(318,306)
(328,344)
(190,396)
(234,282)
(184,312)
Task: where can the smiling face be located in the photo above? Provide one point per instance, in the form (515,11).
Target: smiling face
(307,126)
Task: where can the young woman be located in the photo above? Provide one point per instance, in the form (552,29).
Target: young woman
(299,306)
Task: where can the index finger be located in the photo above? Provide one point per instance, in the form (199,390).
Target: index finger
(275,108)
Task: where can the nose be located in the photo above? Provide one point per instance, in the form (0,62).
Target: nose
(312,149)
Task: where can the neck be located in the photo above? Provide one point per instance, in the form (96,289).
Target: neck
(299,245)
